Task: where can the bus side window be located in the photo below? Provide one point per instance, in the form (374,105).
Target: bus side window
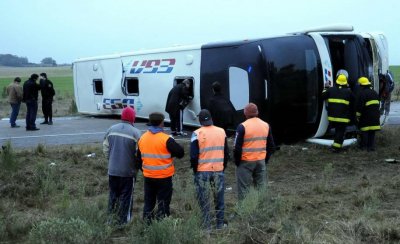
(98,87)
(179,80)
(132,86)
(238,87)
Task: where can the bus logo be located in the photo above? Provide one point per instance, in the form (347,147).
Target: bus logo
(153,66)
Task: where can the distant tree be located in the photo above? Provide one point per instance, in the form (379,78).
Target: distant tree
(48,62)
(13,60)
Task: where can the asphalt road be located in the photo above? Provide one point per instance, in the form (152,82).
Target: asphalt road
(64,131)
(88,129)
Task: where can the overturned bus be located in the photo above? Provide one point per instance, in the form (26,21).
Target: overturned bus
(283,75)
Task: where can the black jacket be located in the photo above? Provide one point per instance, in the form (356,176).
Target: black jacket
(178,98)
(340,100)
(31,91)
(222,111)
(367,109)
(47,89)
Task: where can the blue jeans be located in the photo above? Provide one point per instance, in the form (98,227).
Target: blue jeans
(31,112)
(14,113)
(214,181)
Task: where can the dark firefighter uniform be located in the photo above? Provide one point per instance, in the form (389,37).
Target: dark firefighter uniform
(367,112)
(340,102)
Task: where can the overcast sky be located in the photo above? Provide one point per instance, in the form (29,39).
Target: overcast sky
(69,29)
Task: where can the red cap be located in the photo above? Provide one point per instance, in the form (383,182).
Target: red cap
(251,110)
(128,114)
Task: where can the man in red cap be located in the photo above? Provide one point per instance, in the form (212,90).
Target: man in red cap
(119,146)
(253,147)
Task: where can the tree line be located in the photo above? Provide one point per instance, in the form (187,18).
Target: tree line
(15,61)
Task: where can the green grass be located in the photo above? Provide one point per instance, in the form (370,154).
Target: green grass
(60,76)
(313,196)
(396,73)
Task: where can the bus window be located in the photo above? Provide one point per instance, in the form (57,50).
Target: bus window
(238,87)
(131,86)
(98,86)
(179,80)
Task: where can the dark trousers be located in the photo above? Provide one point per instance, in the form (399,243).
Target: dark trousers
(214,182)
(157,191)
(120,198)
(367,141)
(176,120)
(340,129)
(14,113)
(31,112)
(47,109)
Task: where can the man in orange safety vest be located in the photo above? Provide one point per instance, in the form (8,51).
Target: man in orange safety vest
(155,154)
(254,145)
(209,156)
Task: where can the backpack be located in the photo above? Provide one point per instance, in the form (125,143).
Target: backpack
(389,82)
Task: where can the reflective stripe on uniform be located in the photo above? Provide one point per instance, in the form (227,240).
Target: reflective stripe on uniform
(122,135)
(334,119)
(337,145)
(211,160)
(262,138)
(261,149)
(158,167)
(372,102)
(148,155)
(335,100)
(374,127)
(207,149)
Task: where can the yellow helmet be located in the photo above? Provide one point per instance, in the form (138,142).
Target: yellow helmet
(341,80)
(364,81)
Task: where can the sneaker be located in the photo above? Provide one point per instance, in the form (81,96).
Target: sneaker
(44,122)
(50,123)
(182,134)
(15,126)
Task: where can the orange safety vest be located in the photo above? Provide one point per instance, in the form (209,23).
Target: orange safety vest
(255,139)
(211,145)
(157,160)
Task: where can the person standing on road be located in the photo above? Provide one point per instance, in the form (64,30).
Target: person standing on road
(119,147)
(386,87)
(155,156)
(30,97)
(209,155)
(253,148)
(178,98)
(367,112)
(47,90)
(340,106)
(15,96)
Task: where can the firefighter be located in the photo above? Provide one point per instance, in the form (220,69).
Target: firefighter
(340,109)
(155,156)
(254,146)
(209,156)
(367,112)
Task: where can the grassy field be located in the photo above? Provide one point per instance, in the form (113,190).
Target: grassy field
(59,195)
(61,78)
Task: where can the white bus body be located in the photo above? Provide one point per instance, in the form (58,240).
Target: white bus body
(283,75)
